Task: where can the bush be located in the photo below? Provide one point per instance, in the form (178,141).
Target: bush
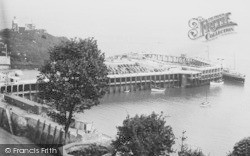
(241,148)
(44,37)
(144,136)
(57,117)
(190,152)
(92,150)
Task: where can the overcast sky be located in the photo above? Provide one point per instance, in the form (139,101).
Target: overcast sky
(159,26)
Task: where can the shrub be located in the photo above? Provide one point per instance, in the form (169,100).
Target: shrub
(92,150)
(144,136)
(241,148)
(190,152)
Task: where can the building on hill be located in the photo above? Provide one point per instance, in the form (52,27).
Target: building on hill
(20,26)
(15,24)
(30,26)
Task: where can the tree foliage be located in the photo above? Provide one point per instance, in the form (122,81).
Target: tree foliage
(92,150)
(75,77)
(241,148)
(190,152)
(144,136)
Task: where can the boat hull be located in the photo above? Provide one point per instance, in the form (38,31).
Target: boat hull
(157,90)
(233,77)
(216,83)
(205,104)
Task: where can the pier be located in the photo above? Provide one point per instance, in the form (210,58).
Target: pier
(135,72)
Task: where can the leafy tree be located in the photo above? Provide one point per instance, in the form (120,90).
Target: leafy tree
(241,148)
(74,78)
(144,136)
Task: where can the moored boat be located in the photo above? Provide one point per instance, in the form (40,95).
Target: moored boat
(158,89)
(233,75)
(217,82)
(126,91)
(205,104)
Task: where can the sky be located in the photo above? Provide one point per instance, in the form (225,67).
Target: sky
(122,26)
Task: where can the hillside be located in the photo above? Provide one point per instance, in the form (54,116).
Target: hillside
(29,49)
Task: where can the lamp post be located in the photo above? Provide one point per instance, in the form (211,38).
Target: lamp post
(221,61)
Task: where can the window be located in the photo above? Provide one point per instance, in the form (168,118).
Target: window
(157,77)
(117,79)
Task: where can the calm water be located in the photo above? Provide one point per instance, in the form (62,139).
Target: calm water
(214,129)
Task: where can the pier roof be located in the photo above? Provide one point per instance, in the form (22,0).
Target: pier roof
(154,73)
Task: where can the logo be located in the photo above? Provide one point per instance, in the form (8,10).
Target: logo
(7,150)
(211,28)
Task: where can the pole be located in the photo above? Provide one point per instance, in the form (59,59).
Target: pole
(6,49)
(234,62)
(208,52)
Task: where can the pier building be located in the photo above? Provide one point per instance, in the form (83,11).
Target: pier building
(140,71)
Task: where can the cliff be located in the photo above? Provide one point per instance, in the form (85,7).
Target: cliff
(29,49)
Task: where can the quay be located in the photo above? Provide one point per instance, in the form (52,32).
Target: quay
(141,71)
(136,72)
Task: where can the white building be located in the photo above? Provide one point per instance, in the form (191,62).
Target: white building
(18,25)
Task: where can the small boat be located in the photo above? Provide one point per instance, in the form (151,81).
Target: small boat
(126,91)
(156,89)
(217,83)
(205,103)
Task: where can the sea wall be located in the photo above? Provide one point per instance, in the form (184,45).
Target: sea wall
(25,104)
(38,132)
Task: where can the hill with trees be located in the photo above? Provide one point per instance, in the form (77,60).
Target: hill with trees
(29,49)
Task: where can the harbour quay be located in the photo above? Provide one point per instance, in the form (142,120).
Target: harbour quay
(140,71)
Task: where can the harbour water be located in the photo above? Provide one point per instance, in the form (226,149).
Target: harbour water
(214,129)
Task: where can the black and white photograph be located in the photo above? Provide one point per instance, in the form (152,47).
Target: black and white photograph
(124,78)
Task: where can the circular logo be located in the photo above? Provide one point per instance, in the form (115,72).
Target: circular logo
(7,150)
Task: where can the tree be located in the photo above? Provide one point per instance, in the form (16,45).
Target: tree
(74,78)
(144,136)
(241,148)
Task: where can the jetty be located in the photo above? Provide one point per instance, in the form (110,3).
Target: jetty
(138,71)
